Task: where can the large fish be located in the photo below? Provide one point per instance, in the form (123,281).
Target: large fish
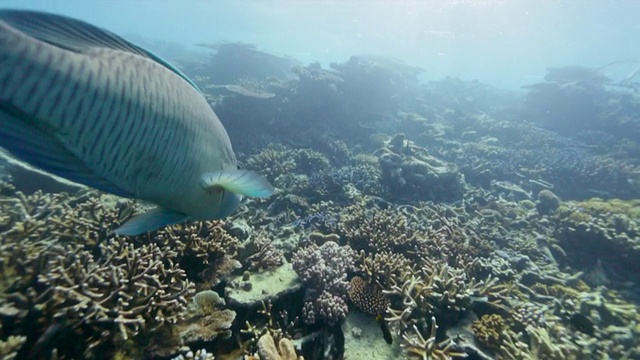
(82,103)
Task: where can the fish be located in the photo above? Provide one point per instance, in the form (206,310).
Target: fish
(582,324)
(384,327)
(82,103)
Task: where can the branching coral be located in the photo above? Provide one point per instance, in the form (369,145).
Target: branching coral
(267,349)
(264,255)
(323,270)
(10,346)
(263,337)
(272,161)
(383,268)
(418,347)
(446,291)
(105,298)
(85,218)
(375,230)
(204,249)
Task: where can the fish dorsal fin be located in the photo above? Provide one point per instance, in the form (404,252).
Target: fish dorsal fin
(242,182)
(76,35)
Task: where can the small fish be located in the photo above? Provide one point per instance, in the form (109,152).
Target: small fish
(582,324)
(384,327)
(84,104)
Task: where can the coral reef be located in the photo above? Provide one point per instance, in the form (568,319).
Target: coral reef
(488,330)
(600,232)
(418,347)
(108,298)
(204,320)
(267,349)
(323,270)
(410,173)
(412,201)
(205,250)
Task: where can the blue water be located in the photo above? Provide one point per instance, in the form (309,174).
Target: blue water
(504,43)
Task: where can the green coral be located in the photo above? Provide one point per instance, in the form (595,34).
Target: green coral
(488,330)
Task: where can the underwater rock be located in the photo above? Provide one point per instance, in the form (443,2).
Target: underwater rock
(266,286)
(547,203)
(239,228)
(410,173)
(233,61)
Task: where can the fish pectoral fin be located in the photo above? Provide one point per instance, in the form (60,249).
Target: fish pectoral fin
(29,143)
(243,182)
(149,221)
(76,35)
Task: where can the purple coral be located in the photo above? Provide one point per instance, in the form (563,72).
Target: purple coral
(323,270)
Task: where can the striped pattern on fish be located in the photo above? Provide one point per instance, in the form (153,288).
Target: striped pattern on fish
(140,126)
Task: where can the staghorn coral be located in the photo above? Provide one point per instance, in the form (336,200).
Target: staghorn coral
(105,298)
(446,291)
(10,346)
(383,268)
(603,233)
(537,343)
(418,347)
(264,254)
(272,161)
(204,249)
(323,270)
(85,218)
(377,230)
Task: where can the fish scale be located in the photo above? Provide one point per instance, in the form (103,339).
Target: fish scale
(85,100)
(87,105)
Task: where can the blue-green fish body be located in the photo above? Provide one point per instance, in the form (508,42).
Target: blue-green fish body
(84,104)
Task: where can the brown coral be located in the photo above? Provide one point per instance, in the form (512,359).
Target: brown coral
(267,349)
(488,330)
(104,298)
